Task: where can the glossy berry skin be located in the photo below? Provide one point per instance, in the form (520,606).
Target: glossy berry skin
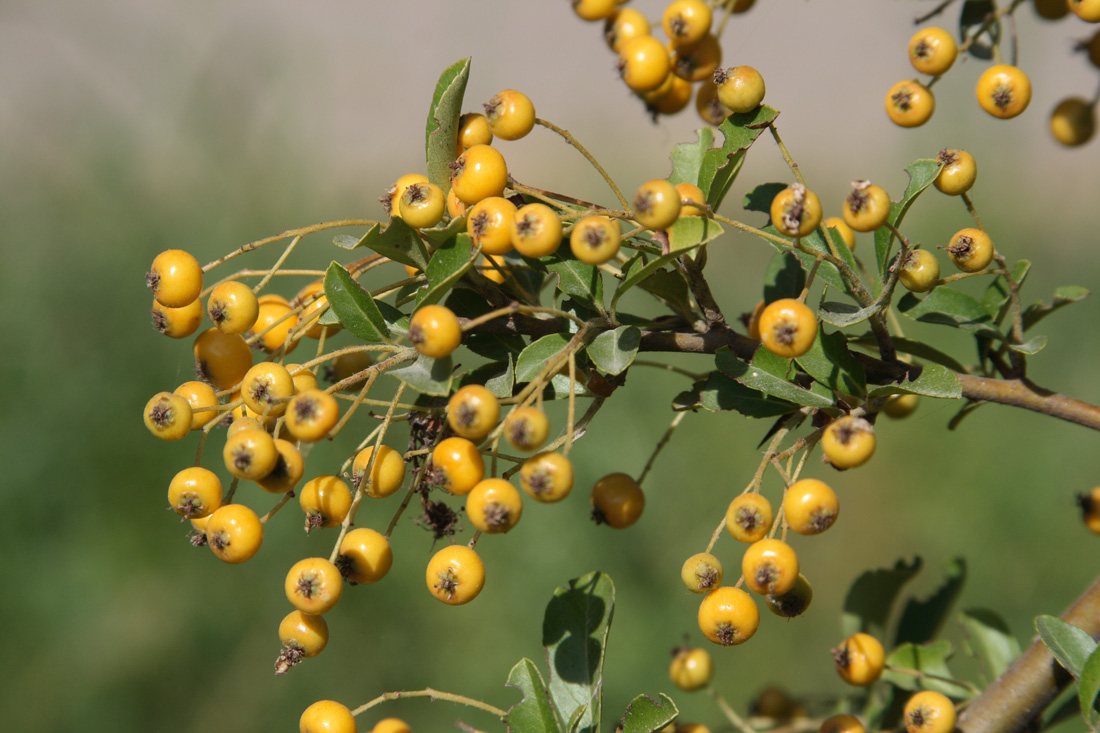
(686,21)
(221,359)
(327,716)
(1003,91)
(690,195)
(234,533)
(848,442)
(842,724)
(860,659)
(810,506)
(365,556)
(958,174)
(305,379)
(910,103)
(623,25)
(310,415)
(511,114)
(435,331)
(391,725)
(788,327)
(594,9)
(770,567)
(480,172)
(175,278)
(749,518)
(595,239)
(250,454)
(392,199)
(325,501)
(547,477)
(617,501)
(1087,10)
(242,422)
(794,602)
(472,412)
(1090,509)
(710,110)
(199,395)
(901,405)
(288,471)
(796,211)
(536,230)
(921,271)
(495,268)
(842,228)
(526,428)
(696,61)
(656,204)
(675,98)
(304,633)
(168,416)
(473,129)
(195,492)
(971,250)
(459,465)
(232,307)
(644,63)
(932,51)
(421,205)
(315,303)
(494,506)
(728,616)
(177,323)
(266,388)
(387,475)
(489,224)
(867,207)
(929,712)
(274,321)
(455,575)
(1073,121)
(740,88)
(314,585)
(701,573)
(691,669)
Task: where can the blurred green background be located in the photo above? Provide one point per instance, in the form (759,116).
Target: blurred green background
(127,128)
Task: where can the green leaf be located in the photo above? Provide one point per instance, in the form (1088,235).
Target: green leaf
(441,134)
(439,235)
(670,288)
(991,638)
(1088,686)
(918,349)
(996,297)
(614,351)
(949,307)
(497,376)
(719,393)
(687,158)
(976,13)
(1063,296)
(532,714)
(576,279)
(449,263)
(760,198)
(721,165)
(830,363)
(768,373)
(1033,345)
(930,380)
(921,620)
(427,376)
(691,231)
(638,270)
(870,599)
(536,356)
(645,715)
(498,347)
(1071,646)
(574,632)
(784,277)
(921,174)
(843,315)
(354,306)
(398,241)
(930,659)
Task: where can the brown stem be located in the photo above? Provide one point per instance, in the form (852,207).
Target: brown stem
(1033,681)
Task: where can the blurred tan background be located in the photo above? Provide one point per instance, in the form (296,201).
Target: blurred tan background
(130,127)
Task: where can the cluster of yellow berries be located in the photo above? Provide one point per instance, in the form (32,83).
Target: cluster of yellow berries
(329,716)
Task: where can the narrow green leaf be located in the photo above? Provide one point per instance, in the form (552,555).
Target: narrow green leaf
(536,356)
(498,347)
(395,320)
(843,315)
(687,158)
(929,659)
(1063,296)
(1071,646)
(991,638)
(614,351)
(439,235)
(449,263)
(872,596)
(1088,687)
(499,377)
(441,133)
(918,349)
(829,362)
(670,288)
(921,620)
(353,305)
(576,279)
(532,714)
(639,271)
(398,241)
(760,198)
(427,376)
(931,380)
(721,165)
(1033,345)
(761,375)
(691,231)
(949,307)
(574,633)
(784,277)
(995,299)
(720,393)
(921,174)
(645,715)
